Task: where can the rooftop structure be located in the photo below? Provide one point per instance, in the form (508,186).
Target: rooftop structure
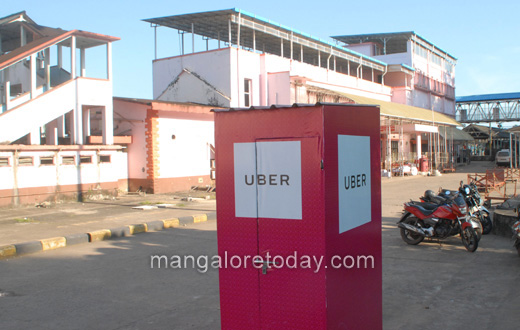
(428,72)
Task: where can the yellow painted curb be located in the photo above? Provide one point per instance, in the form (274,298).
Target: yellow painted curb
(171,223)
(100,235)
(200,218)
(137,229)
(53,243)
(7,251)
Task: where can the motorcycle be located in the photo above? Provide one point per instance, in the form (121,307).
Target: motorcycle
(516,233)
(445,194)
(476,206)
(421,219)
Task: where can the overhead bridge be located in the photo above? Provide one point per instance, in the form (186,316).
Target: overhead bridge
(488,108)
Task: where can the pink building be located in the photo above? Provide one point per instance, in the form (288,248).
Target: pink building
(420,73)
(172,143)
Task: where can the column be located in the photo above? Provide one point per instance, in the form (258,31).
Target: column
(108,124)
(109,61)
(47,56)
(33,75)
(60,57)
(86,123)
(419,145)
(72,57)
(82,62)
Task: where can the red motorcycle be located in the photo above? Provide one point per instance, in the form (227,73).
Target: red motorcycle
(432,220)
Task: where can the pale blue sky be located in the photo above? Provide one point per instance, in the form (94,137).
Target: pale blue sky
(483,35)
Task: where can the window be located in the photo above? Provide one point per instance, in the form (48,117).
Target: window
(247,92)
(4,161)
(420,51)
(47,160)
(85,160)
(25,161)
(104,158)
(68,160)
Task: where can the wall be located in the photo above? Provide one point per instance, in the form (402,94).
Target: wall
(25,184)
(170,144)
(129,119)
(363,48)
(183,151)
(250,68)
(279,88)
(397,58)
(212,66)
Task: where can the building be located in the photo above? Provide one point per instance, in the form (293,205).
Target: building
(420,73)
(172,144)
(56,117)
(249,61)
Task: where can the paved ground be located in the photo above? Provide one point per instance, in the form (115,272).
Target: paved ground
(110,285)
(30,223)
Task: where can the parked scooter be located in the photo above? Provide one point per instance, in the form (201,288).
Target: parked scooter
(445,194)
(432,220)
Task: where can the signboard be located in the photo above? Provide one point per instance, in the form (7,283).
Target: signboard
(268,180)
(355,195)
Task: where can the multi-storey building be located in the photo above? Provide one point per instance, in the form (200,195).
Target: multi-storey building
(245,60)
(50,109)
(420,73)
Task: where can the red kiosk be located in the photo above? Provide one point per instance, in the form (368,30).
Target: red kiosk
(299,217)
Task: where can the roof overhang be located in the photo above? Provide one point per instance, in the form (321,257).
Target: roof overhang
(259,33)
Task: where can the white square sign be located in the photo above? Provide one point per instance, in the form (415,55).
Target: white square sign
(355,193)
(268,180)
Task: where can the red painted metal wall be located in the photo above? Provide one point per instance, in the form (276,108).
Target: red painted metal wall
(293,153)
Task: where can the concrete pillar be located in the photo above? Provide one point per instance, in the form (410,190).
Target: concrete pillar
(77,121)
(47,55)
(60,123)
(7,85)
(109,61)
(72,57)
(419,145)
(33,76)
(192,38)
(108,124)
(60,57)
(82,64)
(86,123)
(23,37)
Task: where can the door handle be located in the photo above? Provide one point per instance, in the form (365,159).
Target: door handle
(265,264)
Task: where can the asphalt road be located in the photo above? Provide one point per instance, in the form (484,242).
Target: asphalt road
(110,285)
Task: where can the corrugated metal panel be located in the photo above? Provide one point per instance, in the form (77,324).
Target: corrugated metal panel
(488,97)
(398,110)
(453,133)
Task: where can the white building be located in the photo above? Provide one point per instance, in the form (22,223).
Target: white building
(420,73)
(50,109)
(253,61)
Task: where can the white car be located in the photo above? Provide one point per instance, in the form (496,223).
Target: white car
(503,158)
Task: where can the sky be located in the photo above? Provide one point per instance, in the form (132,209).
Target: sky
(482,35)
